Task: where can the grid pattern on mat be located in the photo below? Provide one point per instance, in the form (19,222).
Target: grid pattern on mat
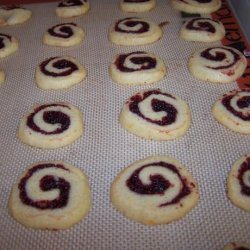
(208,149)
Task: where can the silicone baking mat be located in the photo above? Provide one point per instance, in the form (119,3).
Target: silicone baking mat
(208,149)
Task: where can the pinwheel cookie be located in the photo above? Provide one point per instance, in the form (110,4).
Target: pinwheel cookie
(233,110)
(137,68)
(59,72)
(156,115)
(238,183)
(137,5)
(236,246)
(63,35)
(155,190)
(202,30)
(217,64)
(51,125)
(12,15)
(197,6)
(50,195)
(134,31)
(72,8)
(8,45)
(2,77)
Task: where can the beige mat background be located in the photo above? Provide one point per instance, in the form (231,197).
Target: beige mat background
(208,149)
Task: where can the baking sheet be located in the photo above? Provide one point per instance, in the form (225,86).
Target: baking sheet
(208,149)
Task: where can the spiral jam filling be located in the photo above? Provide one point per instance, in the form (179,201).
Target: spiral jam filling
(156,105)
(219,56)
(244,177)
(62,30)
(50,117)
(47,183)
(242,103)
(201,24)
(2,38)
(158,183)
(67,66)
(131,24)
(69,3)
(141,62)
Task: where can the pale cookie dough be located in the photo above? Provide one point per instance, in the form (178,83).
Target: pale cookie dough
(134,31)
(202,30)
(236,246)
(50,195)
(59,72)
(156,115)
(233,110)
(155,190)
(64,35)
(51,125)
(196,6)
(220,64)
(137,5)
(72,8)
(12,15)
(8,45)
(238,183)
(2,77)
(137,68)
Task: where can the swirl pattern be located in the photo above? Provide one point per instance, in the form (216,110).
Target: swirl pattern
(217,64)
(233,110)
(47,192)
(153,187)
(244,177)
(51,125)
(132,25)
(57,67)
(69,3)
(159,184)
(46,184)
(64,30)
(4,40)
(156,115)
(224,57)
(51,117)
(238,183)
(238,103)
(63,35)
(204,24)
(135,61)
(158,102)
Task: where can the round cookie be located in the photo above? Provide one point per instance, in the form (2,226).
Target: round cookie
(59,72)
(196,6)
(8,45)
(155,190)
(72,8)
(2,77)
(51,125)
(63,35)
(233,110)
(155,115)
(236,246)
(202,30)
(50,195)
(12,15)
(217,64)
(238,183)
(134,31)
(137,5)
(137,68)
